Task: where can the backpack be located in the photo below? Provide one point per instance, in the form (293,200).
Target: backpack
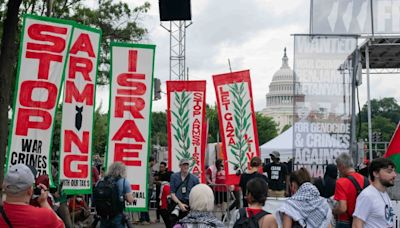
(252,222)
(106,198)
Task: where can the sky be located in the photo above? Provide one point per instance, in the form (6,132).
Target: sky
(250,33)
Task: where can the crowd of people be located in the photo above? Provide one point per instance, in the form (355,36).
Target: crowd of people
(352,200)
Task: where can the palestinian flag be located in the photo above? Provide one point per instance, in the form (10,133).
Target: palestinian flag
(393,151)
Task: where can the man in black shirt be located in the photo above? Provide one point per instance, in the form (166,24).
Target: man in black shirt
(277,176)
(162,175)
(255,164)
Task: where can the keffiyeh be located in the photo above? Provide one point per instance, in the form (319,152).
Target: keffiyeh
(201,220)
(306,207)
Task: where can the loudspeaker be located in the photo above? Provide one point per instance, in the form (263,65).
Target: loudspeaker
(175,10)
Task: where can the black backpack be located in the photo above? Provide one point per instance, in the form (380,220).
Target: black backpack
(106,198)
(252,222)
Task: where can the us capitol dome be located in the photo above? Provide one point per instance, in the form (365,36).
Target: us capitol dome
(279,100)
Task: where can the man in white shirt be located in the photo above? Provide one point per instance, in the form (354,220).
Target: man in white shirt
(373,207)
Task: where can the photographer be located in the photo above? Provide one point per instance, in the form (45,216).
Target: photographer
(16,212)
(181,184)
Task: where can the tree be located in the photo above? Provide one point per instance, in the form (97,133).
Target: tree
(159,128)
(385,114)
(117,21)
(286,127)
(266,127)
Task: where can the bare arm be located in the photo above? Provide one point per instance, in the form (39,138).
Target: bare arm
(357,223)
(181,205)
(340,208)
(268,221)
(287,221)
(129,197)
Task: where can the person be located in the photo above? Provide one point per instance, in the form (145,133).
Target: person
(220,190)
(346,191)
(255,164)
(277,176)
(257,192)
(163,175)
(373,205)
(144,216)
(117,171)
(201,201)
(18,188)
(181,185)
(97,162)
(211,172)
(78,208)
(305,207)
(326,185)
(165,197)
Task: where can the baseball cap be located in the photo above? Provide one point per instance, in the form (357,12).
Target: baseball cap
(184,161)
(275,154)
(19,178)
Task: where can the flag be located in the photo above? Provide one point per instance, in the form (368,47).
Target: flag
(393,150)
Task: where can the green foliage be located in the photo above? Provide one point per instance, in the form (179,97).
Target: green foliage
(287,126)
(213,124)
(243,124)
(181,126)
(159,128)
(100,129)
(385,114)
(266,127)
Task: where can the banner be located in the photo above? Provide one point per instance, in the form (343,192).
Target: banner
(237,122)
(78,110)
(131,89)
(42,58)
(322,104)
(393,150)
(354,17)
(186,125)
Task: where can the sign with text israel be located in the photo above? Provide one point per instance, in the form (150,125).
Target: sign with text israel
(131,87)
(322,104)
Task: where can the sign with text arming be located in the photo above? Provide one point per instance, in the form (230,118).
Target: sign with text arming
(186,125)
(77,111)
(237,122)
(322,104)
(131,89)
(42,57)
(354,17)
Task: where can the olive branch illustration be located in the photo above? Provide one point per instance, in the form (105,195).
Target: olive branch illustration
(241,146)
(181,127)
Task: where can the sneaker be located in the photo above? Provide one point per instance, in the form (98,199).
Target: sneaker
(145,223)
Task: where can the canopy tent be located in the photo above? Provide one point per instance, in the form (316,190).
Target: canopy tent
(283,143)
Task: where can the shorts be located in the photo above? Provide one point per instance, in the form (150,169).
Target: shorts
(220,197)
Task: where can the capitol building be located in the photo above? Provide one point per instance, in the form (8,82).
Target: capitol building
(279,100)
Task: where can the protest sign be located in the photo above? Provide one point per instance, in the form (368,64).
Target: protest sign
(77,111)
(42,58)
(187,125)
(237,122)
(131,87)
(322,104)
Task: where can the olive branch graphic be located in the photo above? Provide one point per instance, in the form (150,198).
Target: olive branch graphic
(241,146)
(181,127)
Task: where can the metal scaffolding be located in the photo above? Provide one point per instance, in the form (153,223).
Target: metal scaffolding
(177,51)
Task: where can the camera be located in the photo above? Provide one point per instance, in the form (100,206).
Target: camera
(37,191)
(176,211)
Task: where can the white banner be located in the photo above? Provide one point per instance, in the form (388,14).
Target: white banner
(129,114)
(43,51)
(77,111)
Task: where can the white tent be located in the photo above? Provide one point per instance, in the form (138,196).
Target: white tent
(282,143)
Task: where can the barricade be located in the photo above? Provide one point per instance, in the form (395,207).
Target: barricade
(224,201)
